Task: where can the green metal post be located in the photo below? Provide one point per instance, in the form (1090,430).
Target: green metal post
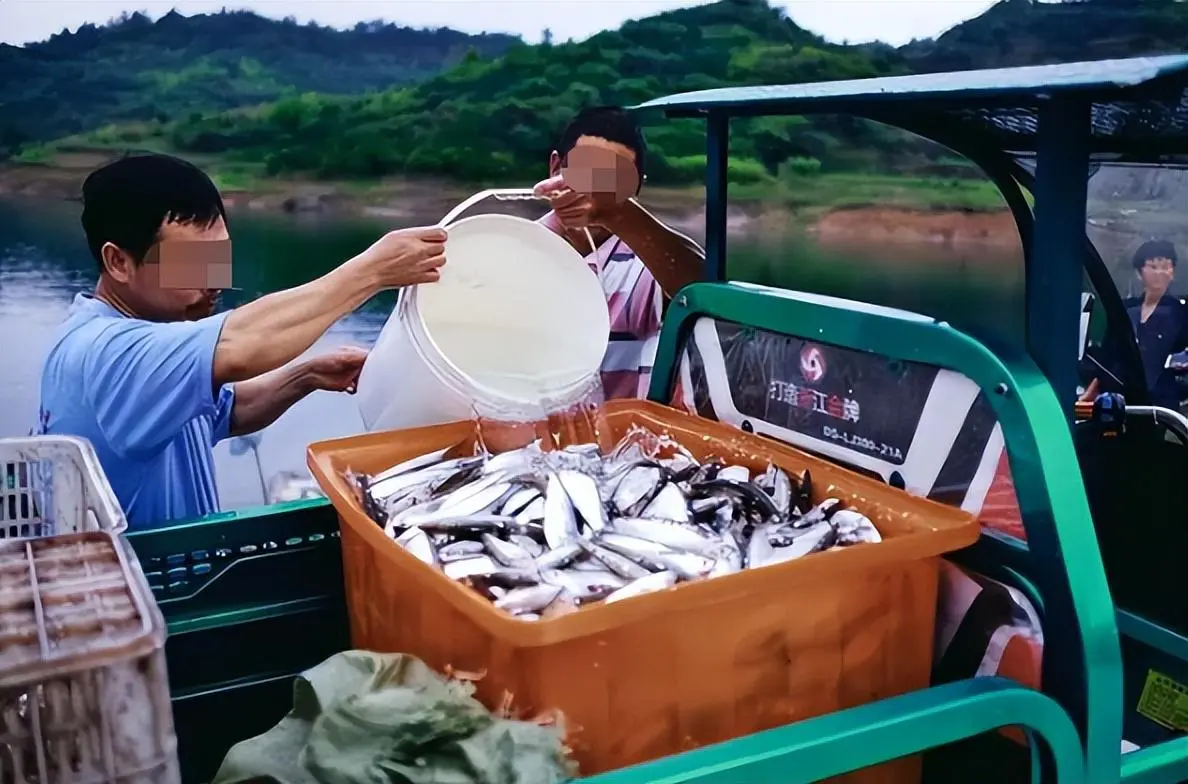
(717,137)
(1058,244)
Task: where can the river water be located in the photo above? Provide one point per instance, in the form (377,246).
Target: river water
(44,262)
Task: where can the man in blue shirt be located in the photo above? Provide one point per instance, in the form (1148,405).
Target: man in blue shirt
(148,372)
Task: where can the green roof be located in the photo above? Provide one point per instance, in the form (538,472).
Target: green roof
(1133,100)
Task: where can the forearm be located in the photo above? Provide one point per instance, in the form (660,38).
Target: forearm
(673,259)
(272,331)
(260,401)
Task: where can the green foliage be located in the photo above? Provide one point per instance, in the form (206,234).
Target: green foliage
(133,69)
(289,99)
(497,119)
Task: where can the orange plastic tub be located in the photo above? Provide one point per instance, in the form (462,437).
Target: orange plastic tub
(701,663)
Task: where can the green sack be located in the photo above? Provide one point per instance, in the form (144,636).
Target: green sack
(369,718)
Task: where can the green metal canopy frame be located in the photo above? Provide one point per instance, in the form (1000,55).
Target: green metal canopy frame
(1062,558)
(1065,115)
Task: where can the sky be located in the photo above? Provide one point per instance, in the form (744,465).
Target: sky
(893,21)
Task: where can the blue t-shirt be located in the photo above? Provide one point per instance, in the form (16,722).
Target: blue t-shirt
(143,394)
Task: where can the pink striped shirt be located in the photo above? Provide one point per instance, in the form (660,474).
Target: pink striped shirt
(636,303)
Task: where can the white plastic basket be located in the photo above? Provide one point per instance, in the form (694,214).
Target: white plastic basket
(84,694)
(54,485)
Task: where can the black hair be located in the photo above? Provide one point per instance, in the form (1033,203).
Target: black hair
(612,123)
(125,202)
(1154,249)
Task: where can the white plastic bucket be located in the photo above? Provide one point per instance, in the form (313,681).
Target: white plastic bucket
(516,324)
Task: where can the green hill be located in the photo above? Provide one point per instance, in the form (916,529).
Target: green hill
(494,119)
(494,116)
(134,69)
(1029,32)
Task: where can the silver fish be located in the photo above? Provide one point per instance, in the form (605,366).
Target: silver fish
(410,465)
(402,483)
(528,600)
(534,548)
(560,522)
(819,537)
(759,549)
(636,488)
(620,565)
(822,511)
(687,566)
(507,553)
(466,492)
(440,523)
(473,504)
(475,566)
(534,511)
(516,502)
(515,460)
(417,542)
(586,564)
(631,546)
(854,528)
(735,473)
(674,535)
(584,586)
(653,582)
(729,558)
(457,551)
(669,504)
(583,493)
(781,492)
(559,557)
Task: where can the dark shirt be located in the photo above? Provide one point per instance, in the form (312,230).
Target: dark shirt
(1165,332)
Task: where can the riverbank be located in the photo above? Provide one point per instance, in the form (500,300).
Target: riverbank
(837,207)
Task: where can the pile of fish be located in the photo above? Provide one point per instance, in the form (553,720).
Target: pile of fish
(541,533)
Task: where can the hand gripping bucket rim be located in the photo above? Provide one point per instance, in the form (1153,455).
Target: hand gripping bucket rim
(445,369)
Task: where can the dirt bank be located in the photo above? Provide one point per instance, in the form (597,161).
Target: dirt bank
(401,199)
(879,225)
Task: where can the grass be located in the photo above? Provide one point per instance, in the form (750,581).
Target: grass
(803,193)
(826,191)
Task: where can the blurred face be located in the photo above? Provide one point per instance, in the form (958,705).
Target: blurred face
(603,169)
(1157,275)
(181,276)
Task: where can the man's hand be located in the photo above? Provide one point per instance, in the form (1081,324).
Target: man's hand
(337,371)
(407,257)
(575,210)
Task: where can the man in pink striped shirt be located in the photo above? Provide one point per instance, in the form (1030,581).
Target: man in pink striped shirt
(595,173)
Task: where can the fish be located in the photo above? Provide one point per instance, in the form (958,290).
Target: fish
(559,557)
(560,516)
(542,533)
(411,464)
(670,503)
(457,551)
(735,473)
(855,528)
(583,492)
(416,541)
(519,501)
(615,563)
(670,534)
(636,489)
(507,553)
(653,582)
(530,599)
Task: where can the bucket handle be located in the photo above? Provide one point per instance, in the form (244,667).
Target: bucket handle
(501,194)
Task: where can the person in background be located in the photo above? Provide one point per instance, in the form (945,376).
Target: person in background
(1160,323)
(147,370)
(595,173)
